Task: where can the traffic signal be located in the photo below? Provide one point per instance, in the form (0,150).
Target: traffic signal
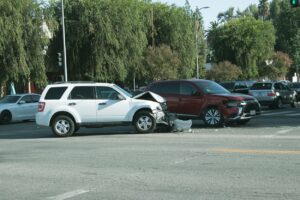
(59,59)
(295,3)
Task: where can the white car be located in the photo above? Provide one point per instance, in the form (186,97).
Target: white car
(18,107)
(66,107)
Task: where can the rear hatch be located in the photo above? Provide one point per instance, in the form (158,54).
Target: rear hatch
(262,91)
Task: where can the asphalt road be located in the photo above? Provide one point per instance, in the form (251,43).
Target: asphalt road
(260,160)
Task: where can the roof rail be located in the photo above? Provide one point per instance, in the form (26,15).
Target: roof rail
(60,82)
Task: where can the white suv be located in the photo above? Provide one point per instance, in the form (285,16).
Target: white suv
(67,106)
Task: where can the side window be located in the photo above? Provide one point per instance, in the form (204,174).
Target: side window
(26,98)
(82,92)
(35,98)
(277,86)
(106,93)
(166,88)
(187,89)
(55,93)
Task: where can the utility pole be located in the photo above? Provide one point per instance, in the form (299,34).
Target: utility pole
(196,35)
(64,40)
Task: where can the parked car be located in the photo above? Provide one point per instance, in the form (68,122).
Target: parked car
(296,86)
(66,107)
(18,107)
(237,86)
(206,100)
(273,94)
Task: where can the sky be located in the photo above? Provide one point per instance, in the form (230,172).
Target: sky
(215,7)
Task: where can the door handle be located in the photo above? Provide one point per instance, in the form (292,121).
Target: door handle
(72,104)
(101,104)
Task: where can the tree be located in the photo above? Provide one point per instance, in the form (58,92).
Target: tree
(22,42)
(263,9)
(277,67)
(224,71)
(175,27)
(161,63)
(244,42)
(286,20)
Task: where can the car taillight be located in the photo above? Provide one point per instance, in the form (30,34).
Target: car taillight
(41,106)
(271,94)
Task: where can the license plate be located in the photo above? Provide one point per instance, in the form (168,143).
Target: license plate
(252,112)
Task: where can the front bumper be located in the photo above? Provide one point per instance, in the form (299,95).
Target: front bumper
(250,110)
(160,117)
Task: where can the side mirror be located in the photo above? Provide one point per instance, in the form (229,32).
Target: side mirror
(120,97)
(21,102)
(197,94)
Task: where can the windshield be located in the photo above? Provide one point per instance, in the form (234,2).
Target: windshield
(123,91)
(228,86)
(10,99)
(210,87)
(295,85)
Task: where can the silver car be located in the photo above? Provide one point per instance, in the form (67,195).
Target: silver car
(18,107)
(273,94)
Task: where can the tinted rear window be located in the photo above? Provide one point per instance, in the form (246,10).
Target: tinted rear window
(261,86)
(165,88)
(82,92)
(55,93)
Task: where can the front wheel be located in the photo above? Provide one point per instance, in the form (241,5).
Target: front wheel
(144,122)
(213,117)
(63,126)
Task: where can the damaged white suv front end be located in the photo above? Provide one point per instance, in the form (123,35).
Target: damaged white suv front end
(66,107)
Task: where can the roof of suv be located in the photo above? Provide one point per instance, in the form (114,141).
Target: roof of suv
(80,83)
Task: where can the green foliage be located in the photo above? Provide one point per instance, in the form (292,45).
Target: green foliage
(278,66)
(287,23)
(21,42)
(224,71)
(175,27)
(161,63)
(244,42)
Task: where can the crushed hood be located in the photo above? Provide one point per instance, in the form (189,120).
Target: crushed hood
(150,96)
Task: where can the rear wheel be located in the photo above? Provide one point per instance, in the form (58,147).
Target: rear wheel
(293,103)
(144,122)
(278,103)
(213,117)
(5,117)
(63,126)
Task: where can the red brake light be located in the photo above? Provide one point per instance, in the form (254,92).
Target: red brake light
(271,94)
(41,106)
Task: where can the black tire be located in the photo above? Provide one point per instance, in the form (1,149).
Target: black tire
(212,117)
(293,103)
(76,128)
(243,121)
(5,117)
(63,126)
(278,103)
(144,122)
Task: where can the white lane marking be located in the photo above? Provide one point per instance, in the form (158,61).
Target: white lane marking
(278,113)
(278,133)
(283,131)
(68,195)
(294,114)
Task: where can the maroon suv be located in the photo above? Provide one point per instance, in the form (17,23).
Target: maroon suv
(206,99)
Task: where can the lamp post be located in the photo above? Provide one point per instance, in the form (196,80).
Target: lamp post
(196,34)
(64,41)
